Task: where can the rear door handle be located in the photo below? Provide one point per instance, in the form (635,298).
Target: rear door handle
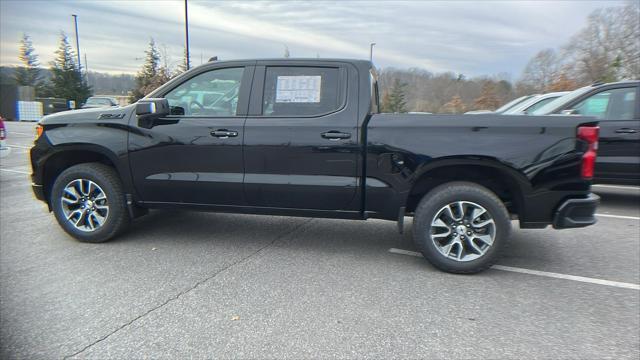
(335,135)
(224,133)
(626,131)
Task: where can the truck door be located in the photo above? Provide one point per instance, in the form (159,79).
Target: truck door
(194,155)
(619,144)
(301,137)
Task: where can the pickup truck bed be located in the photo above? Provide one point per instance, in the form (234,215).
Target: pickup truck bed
(530,162)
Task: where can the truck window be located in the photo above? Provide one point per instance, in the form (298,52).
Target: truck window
(301,91)
(375,97)
(614,104)
(213,93)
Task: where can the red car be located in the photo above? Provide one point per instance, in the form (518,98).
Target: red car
(4,149)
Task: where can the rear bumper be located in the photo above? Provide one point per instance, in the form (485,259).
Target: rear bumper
(574,213)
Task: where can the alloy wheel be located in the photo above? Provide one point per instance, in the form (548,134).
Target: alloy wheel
(85,205)
(462,231)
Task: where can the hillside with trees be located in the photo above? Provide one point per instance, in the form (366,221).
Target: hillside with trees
(607,49)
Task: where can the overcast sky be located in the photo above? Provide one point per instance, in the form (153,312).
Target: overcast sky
(469,37)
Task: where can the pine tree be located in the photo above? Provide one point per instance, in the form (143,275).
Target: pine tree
(384,105)
(394,102)
(29,73)
(152,75)
(67,81)
(184,64)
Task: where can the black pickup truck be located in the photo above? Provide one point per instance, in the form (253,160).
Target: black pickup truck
(305,138)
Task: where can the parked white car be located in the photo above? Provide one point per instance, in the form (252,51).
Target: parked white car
(475,112)
(504,107)
(513,103)
(533,103)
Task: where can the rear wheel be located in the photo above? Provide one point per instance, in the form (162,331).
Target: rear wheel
(88,202)
(461,227)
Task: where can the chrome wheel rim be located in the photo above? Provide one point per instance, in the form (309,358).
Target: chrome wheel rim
(462,231)
(85,205)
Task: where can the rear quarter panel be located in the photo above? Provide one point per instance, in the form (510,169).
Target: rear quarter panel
(540,153)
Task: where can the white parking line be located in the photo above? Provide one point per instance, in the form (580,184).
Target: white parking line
(19,146)
(15,171)
(21,133)
(619,216)
(541,273)
(623,187)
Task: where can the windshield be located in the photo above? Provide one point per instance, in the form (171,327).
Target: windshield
(540,104)
(512,103)
(98,101)
(557,103)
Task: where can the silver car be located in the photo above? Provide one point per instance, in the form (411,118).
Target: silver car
(533,103)
(100,102)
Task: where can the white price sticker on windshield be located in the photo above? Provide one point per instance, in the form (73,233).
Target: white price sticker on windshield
(298,89)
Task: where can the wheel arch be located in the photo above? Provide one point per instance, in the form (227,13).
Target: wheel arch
(67,156)
(506,182)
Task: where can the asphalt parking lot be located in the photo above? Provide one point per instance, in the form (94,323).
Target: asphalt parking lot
(188,284)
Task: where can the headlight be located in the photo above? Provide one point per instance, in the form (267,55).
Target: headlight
(39,130)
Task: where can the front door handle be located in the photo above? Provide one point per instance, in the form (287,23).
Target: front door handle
(335,135)
(224,133)
(626,131)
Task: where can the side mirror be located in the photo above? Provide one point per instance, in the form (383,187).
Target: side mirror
(570,112)
(152,108)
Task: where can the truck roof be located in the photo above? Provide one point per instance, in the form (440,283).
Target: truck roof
(284,60)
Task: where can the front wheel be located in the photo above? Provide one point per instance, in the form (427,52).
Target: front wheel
(88,202)
(461,227)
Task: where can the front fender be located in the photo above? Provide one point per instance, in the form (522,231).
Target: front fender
(82,142)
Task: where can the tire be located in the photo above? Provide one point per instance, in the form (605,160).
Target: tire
(469,247)
(89,203)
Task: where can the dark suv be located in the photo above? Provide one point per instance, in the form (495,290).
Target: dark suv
(617,107)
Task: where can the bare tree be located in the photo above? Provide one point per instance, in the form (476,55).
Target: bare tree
(488,100)
(630,41)
(455,106)
(562,83)
(541,70)
(608,49)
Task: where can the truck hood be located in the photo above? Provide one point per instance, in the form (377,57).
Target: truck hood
(91,115)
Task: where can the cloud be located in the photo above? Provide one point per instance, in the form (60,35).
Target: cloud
(468,37)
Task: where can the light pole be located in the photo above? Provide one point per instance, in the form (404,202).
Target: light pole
(75,21)
(186,31)
(371,51)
